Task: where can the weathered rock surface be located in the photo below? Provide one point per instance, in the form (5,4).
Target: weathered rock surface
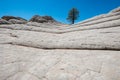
(2,21)
(12,17)
(89,50)
(115,10)
(42,19)
(13,20)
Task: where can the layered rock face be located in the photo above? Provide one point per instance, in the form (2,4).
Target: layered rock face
(89,50)
(14,20)
(18,20)
(2,21)
(42,19)
(12,17)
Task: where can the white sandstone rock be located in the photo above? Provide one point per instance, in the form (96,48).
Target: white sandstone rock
(89,50)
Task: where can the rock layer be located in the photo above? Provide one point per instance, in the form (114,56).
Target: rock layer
(12,17)
(13,20)
(89,50)
(2,21)
(42,19)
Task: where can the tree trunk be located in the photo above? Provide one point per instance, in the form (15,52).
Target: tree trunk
(73,17)
(73,21)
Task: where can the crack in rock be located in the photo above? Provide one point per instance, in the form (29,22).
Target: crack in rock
(59,60)
(13,35)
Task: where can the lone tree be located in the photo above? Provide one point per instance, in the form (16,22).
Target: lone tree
(73,15)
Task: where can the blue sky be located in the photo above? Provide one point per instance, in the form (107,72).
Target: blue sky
(58,9)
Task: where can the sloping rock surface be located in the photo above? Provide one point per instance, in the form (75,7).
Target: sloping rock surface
(12,17)
(2,21)
(13,20)
(89,50)
(42,19)
(115,10)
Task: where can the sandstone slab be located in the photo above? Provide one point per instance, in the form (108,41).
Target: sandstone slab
(89,50)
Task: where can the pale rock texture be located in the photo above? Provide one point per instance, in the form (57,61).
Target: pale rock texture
(15,21)
(116,10)
(12,20)
(2,21)
(12,17)
(89,50)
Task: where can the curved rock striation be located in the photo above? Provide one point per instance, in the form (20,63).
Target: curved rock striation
(115,10)
(13,20)
(2,21)
(12,17)
(89,50)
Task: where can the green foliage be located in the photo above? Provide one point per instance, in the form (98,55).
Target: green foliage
(73,15)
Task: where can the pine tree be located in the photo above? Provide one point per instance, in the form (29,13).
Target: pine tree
(73,15)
